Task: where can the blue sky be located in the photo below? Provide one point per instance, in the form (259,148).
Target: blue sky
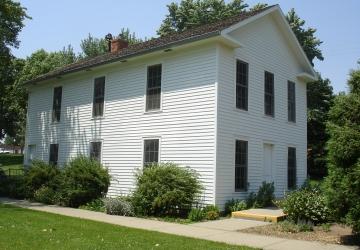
(56,24)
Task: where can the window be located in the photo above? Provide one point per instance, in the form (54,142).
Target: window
(291,102)
(56,111)
(153,90)
(95,150)
(291,168)
(31,153)
(269,94)
(99,93)
(241,165)
(242,78)
(151,151)
(54,150)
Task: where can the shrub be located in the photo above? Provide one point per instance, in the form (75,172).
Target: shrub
(291,227)
(96,205)
(306,205)
(118,206)
(45,195)
(41,175)
(83,180)
(263,198)
(13,187)
(196,214)
(250,200)
(211,212)
(165,189)
(235,205)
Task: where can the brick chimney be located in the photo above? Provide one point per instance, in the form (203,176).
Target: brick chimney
(118,44)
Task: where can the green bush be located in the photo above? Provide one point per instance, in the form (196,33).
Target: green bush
(13,187)
(264,197)
(83,180)
(45,195)
(251,200)
(39,175)
(234,205)
(306,206)
(211,212)
(165,189)
(119,206)
(96,205)
(196,214)
(291,227)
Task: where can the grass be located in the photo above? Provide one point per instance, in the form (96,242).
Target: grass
(26,229)
(11,162)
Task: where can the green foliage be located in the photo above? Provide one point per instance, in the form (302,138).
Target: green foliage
(342,183)
(306,205)
(83,180)
(41,175)
(13,187)
(320,99)
(45,195)
(191,13)
(196,214)
(306,37)
(119,206)
(165,189)
(211,212)
(96,205)
(235,205)
(11,159)
(264,197)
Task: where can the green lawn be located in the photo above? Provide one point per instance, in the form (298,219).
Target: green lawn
(13,162)
(26,229)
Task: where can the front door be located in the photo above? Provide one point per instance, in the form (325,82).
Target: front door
(268,163)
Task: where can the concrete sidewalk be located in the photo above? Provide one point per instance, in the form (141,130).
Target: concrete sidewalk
(220,231)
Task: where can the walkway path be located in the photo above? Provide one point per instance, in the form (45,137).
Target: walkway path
(221,230)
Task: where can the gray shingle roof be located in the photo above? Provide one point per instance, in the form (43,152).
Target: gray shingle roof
(194,34)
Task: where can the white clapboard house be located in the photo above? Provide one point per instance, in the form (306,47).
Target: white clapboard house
(227,99)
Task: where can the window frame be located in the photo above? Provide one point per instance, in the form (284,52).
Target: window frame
(146,110)
(291,117)
(57,154)
(241,85)
(53,111)
(143,149)
(244,189)
(28,160)
(271,94)
(101,148)
(290,185)
(93,98)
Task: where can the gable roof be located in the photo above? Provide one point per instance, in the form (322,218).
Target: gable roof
(162,43)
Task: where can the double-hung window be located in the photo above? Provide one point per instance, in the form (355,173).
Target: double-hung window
(99,96)
(95,150)
(291,168)
(291,102)
(151,151)
(54,152)
(269,97)
(153,88)
(242,79)
(241,165)
(56,110)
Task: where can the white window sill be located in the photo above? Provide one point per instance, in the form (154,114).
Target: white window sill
(153,112)
(97,118)
(241,111)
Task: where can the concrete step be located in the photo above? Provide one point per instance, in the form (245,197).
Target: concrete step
(260,214)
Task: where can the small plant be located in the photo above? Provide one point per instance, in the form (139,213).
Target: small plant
(196,214)
(251,200)
(326,227)
(118,206)
(96,205)
(211,212)
(45,195)
(265,195)
(291,227)
(235,205)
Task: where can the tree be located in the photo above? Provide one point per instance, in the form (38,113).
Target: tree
(319,101)
(92,46)
(191,13)
(342,183)
(11,23)
(15,99)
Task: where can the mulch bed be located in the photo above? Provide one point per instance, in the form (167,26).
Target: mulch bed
(338,234)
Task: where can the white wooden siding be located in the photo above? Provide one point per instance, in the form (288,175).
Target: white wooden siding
(265,49)
(186,123)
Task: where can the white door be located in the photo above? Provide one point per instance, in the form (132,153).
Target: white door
(268,163)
